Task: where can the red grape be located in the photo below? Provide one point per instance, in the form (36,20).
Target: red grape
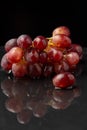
(40,42)
(55,55)
(5,64)
(61,41)
(10,44)
(72,58)
(34,70)
(61,66)
(61,30)
(24,41)
(19,69)
(65,66)
(57,67)
(43,57)
(63,80)
(48,70)
(32,56)
(77,48)
(15,55)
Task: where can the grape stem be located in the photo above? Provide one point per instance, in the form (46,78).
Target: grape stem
(49,38)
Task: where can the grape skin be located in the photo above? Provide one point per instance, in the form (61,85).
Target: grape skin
(61,41)
(15,55)
(19,69)
(72,58)
(40,42)
(31,56)
(24,41)
(10,44)
(5,64)
(63,80)
(61,30)
(76,48)
(54,55)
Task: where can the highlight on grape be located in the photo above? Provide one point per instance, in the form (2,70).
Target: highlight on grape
(42,56)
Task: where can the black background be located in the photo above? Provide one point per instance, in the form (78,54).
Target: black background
(40,18)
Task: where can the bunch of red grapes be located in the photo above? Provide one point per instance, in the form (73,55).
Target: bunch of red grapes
(43,57)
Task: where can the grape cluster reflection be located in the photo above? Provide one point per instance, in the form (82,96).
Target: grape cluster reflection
(29,97)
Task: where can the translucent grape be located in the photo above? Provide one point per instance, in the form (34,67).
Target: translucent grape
(5,64)
(63,80)
(24,41)
(15,55)
(61,30)
(61,41)
(40,42)
(10,44)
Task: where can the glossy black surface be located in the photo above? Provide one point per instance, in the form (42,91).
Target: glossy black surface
(41,105)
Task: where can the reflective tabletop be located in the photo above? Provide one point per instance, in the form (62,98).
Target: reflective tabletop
(35,104)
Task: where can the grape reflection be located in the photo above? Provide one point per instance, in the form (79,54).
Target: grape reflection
(32,97)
